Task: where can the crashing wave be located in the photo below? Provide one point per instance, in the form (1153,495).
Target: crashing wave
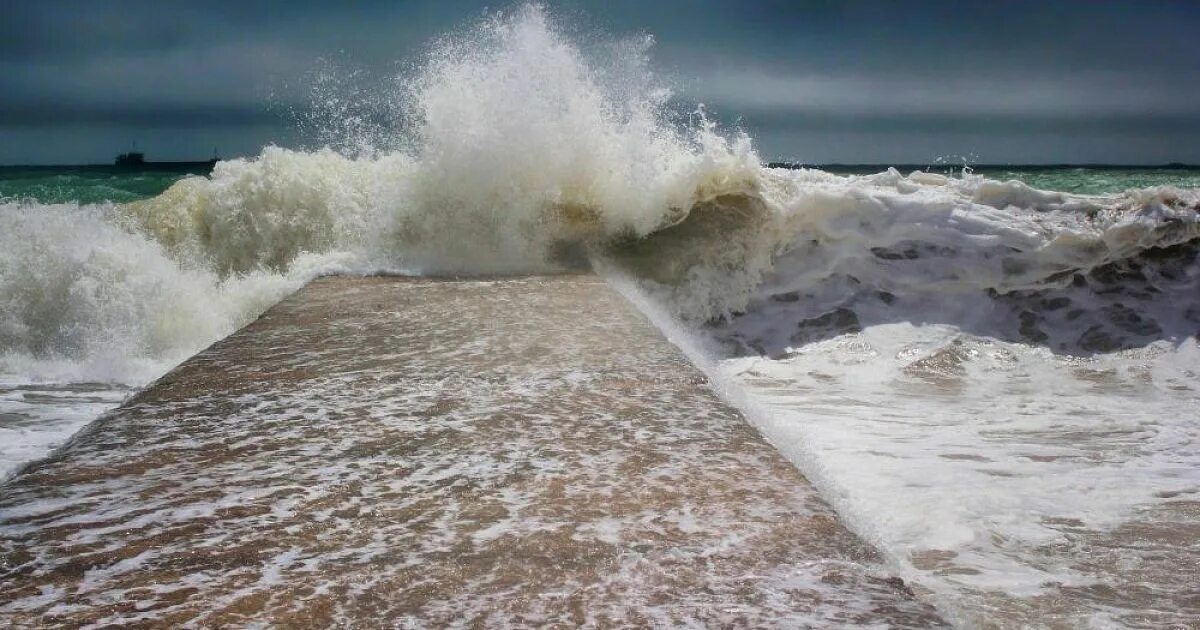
(522,150)
(523,153)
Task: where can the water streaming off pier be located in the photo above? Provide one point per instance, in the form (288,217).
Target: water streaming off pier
(990,377)
(537,452)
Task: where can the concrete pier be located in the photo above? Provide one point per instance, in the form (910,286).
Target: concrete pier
(403,452)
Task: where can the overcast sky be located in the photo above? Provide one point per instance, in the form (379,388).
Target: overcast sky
(817,82)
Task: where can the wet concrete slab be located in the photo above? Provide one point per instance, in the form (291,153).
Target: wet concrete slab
(407,452)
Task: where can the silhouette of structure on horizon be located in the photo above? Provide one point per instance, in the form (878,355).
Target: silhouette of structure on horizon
(136,160)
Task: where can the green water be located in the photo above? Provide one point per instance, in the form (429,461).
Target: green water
(87,184)
(1085,180)
(1093,181)
(99,184)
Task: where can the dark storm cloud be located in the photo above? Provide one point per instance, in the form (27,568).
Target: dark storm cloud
(1124,74)
(134,115)
(964,122)
(71,31)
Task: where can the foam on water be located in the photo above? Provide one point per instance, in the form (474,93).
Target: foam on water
(84,301)
(967,367)
(517,148)
(994,384)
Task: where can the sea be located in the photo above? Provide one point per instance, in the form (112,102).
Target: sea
(991,372)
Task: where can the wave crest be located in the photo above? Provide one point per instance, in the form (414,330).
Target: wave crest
(521,150)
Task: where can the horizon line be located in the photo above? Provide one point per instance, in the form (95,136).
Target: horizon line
(779,163)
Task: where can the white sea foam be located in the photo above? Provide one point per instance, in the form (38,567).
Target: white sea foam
(990,382)
(931,350)
(89,309)
(518,149)
(517,144)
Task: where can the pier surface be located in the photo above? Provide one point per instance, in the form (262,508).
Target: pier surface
(390,451)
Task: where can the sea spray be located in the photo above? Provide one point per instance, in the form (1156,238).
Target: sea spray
(907,335)
(515,151)
(516,142)
(84,300)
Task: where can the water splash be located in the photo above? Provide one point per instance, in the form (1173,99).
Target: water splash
(510,145)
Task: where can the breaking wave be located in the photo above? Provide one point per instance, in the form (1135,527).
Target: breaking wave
(521,151)
(524,154)
(518,155)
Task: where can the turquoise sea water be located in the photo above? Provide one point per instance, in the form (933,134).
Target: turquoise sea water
(85,184)
(97,184)
(1096,181)
(1088,180)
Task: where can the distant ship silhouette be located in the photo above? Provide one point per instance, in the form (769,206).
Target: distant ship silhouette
(136,160)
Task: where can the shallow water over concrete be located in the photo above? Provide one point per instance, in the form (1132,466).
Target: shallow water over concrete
(416,452)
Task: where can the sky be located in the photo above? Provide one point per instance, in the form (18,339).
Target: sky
(857,81)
